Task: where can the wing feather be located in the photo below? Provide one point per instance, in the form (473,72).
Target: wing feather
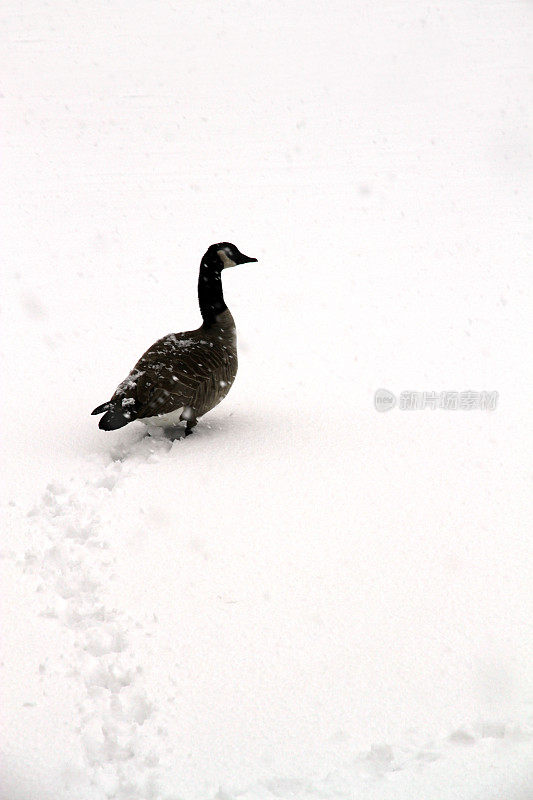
(179,370)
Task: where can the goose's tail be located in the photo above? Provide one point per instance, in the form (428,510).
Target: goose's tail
(115,416)
(104,407)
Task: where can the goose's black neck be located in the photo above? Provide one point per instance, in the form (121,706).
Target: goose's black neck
(210,294)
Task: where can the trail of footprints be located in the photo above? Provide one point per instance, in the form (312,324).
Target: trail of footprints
(118,723)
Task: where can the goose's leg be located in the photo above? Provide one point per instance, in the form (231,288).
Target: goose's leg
(189,416)
(189,427)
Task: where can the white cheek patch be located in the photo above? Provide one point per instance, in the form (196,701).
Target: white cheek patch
(226,260)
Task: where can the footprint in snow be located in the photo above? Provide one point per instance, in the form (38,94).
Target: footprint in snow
(117,720)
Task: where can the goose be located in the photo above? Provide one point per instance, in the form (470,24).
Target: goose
(184,375)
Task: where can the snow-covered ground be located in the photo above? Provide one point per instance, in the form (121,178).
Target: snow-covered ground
(306,598)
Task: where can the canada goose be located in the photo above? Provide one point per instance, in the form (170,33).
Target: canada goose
(184,375)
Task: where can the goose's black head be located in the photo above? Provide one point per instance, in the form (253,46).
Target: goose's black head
(223,255)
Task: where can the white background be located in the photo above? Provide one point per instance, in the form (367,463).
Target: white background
(306,598)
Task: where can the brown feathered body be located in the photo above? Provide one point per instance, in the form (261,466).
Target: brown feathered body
(190,371)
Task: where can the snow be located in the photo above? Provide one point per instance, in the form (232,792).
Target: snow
(305,598)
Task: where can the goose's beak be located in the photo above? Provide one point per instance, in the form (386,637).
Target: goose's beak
(246,259)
